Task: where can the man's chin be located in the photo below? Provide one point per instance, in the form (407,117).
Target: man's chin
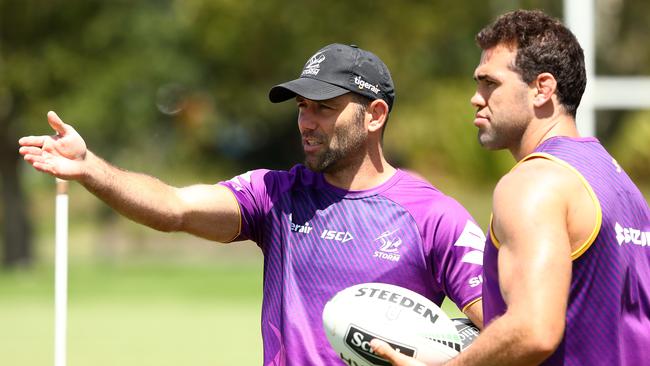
(320,166)
(487,142)
(314,166)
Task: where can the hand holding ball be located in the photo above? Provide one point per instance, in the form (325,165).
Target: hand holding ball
(407,321)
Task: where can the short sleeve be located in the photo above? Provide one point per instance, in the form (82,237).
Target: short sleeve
(457,255)
(251,192)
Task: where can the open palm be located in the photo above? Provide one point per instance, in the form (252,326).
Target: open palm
(61,155)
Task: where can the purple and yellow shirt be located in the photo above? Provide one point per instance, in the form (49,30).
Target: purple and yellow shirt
(608,313)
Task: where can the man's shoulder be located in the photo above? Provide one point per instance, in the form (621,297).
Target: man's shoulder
(273,181)
(419,196)
(298,171)
(533,185)
(413,181)
(538,173)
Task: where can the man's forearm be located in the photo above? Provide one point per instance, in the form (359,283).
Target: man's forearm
(139,197)
(503,343)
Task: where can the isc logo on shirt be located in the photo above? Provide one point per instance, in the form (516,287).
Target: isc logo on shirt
(341,236)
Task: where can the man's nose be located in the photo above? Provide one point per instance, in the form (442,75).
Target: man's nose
(477,100)
(306,119)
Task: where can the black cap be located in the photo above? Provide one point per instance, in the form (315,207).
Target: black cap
(337,69)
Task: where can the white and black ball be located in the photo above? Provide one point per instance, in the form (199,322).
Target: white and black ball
(404,319)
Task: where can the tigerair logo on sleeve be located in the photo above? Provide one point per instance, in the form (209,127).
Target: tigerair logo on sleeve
(312,67)
(390,243)
(628,235)
(298,228)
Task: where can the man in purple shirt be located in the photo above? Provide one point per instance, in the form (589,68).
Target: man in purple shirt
(567,263)
(344,217)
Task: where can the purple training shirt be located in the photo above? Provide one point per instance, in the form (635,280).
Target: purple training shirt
(318,239)
(608,313)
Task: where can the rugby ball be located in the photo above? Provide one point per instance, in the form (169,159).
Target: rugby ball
(466,330)
(406,320)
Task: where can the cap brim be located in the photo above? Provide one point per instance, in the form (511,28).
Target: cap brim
(307,88)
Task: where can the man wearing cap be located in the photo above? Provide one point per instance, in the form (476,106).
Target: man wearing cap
(344,217)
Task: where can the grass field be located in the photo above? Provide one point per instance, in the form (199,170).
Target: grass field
(137,314)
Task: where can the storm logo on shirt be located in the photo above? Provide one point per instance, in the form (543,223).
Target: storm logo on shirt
(390,244)
(296,228)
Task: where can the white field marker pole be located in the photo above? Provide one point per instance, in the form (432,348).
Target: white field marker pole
(61,273)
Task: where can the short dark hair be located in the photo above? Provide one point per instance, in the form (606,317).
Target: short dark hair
(364,103)
(543,44)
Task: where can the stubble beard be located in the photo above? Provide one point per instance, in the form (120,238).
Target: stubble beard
(505,130)
(346,143)
(501,136)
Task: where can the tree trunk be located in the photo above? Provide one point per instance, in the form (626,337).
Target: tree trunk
(16,227)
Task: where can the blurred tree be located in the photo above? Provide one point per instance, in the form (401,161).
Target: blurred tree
(23,33)
(171,87)
(16,228)
(96,62)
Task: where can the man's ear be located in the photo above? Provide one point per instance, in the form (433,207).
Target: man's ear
(378,111)
(545,86)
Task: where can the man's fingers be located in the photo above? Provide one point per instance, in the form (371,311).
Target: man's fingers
(41,163)
(44,167)
(32,141)
(382,349)
(30,150)
(56,123)
(34,158)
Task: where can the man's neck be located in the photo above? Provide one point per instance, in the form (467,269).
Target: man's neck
(540,130)
(367,174)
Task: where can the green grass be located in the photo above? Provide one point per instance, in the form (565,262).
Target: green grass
(158,333)
(137,313)
(144,314)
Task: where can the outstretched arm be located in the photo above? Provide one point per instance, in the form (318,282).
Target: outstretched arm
(208,211)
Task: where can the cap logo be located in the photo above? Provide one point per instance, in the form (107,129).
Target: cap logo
(365,85)
(313,65)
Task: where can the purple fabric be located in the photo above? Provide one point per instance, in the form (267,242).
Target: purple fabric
(318,239)
(608,314)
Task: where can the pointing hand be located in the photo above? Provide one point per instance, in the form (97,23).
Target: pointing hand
(61,155)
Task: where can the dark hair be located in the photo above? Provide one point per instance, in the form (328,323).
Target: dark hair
(364,103)
(543,44)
